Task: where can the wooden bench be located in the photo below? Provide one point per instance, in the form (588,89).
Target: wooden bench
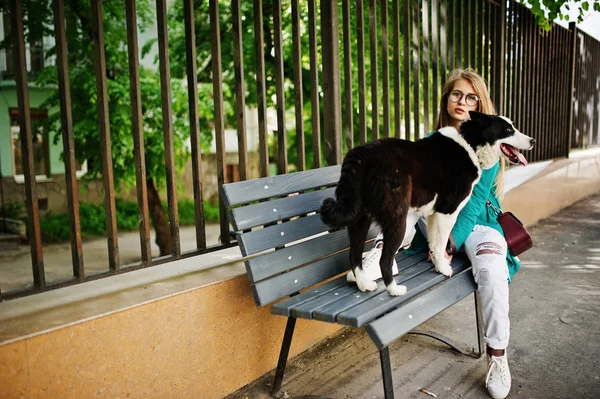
(290,252)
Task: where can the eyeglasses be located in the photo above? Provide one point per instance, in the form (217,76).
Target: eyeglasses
(456,95)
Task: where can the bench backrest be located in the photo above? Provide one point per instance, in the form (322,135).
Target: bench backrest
(276,218)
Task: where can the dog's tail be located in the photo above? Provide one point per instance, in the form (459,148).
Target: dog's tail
(347,207)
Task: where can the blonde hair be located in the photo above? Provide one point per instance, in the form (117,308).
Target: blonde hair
(485,106)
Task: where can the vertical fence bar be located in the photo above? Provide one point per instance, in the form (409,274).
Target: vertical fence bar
(362,85)
(374,69)
(518,64)
(560,56)
(406,37)
(25,135)
(544,101)
(492,27)
(282,164)
(167,120)
(458,28)
(479,37)
(67,136)
(472,31)
(486,45)
(565,92)
(137,132)
(528,74)
(537,90)
(465,28)
(299,101)
(240,87)
(508,72)
(105,144)
(425,58)
(501,46)
(190,41)
(349,108)
(416,68)
(261,90)
(435,56)
(451,34)
(396,45)
(443,42)
(215,49)
(385,68)
(331,81)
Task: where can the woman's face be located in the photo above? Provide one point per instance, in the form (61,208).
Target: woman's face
(465,97)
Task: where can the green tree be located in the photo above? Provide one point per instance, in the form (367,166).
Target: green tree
(38,19)
(547,11)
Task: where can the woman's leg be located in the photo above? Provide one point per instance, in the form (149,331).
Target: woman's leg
(486,249)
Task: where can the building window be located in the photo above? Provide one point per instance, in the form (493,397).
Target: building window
(41,150)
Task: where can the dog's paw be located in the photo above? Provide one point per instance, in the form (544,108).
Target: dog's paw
(350,277)
(445,269)
(396,290)
(366,285)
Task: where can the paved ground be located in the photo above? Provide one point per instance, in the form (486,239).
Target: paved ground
(555,341)
(15,263)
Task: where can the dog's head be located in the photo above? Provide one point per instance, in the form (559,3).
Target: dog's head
(493,136)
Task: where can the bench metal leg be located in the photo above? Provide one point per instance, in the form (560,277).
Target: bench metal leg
(283,354)
(386,371)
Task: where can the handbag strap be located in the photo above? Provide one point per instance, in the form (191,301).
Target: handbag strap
(496,210)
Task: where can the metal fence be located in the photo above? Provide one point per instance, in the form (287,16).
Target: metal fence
(586,97)
(400,53)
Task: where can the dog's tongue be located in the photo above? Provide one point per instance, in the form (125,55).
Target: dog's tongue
(516,152)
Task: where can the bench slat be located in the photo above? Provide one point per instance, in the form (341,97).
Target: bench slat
(382,303)
(267,291)
(283,208)
(279,261)
(416,267)
(284,308)
(304,304)
(280,234)
(393,325)
(270,187)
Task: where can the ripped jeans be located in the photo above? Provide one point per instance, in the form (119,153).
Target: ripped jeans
(486,249)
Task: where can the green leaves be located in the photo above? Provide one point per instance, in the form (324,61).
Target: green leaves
(547,11)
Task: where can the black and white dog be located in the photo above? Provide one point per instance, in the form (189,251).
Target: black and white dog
(385,180)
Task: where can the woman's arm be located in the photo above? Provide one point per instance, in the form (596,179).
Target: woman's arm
(470,213)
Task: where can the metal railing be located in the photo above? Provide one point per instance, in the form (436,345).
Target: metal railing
(400,67)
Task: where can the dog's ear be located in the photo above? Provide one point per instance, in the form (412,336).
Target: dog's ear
(480,118)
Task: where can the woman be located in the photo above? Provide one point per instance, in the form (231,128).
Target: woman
(476,231)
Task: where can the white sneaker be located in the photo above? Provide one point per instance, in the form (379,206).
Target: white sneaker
(498,379)
(370,264)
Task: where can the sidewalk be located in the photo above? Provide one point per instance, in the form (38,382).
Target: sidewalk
(555,334)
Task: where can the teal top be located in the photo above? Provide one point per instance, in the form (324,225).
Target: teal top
(476,212)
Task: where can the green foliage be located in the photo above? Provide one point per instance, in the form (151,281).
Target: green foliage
(547,11)
(54,226)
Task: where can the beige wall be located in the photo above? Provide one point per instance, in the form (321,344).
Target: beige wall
(204,343)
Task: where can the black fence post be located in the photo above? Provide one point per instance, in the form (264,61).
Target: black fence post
(332,113)
(572,58)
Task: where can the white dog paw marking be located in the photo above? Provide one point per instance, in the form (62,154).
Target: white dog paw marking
(445,269)
(396,290)
(366,285)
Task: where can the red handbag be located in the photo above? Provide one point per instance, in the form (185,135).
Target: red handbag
(516,235)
